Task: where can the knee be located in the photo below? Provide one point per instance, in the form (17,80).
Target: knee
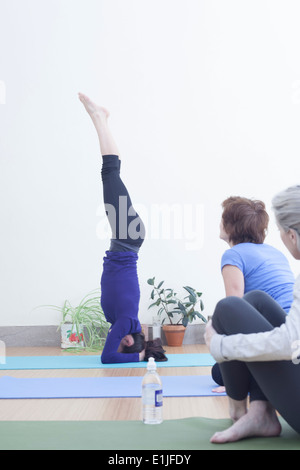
(225,312)
(227,305)
(256,297)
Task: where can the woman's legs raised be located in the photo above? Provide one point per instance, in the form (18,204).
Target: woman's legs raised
(99,116)
(128,230)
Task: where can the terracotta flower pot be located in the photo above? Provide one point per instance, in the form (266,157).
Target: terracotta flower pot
(174,334)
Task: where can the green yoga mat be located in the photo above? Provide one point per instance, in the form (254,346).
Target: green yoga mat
(174,435)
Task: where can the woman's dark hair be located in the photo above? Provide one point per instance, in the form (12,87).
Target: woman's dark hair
(138,345)
(245,220)
(152,348)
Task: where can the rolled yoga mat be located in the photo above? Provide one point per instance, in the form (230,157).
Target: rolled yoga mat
(185,434)
(94,362)
(102,387)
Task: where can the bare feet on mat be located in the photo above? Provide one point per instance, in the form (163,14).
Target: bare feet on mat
(219,390)
(260,421)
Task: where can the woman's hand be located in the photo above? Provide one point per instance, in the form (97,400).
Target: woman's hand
(209,333)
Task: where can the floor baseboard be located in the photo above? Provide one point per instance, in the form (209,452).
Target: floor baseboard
(30,336)
(49,336)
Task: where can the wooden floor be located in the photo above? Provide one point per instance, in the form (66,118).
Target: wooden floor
(106,409)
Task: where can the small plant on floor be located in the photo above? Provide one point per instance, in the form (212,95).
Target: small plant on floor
(170,306)
(88,325)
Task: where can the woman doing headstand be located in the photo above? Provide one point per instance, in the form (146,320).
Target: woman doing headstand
(120,292)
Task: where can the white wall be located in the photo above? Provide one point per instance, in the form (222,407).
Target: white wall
(204,98)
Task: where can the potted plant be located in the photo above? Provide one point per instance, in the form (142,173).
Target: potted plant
(178,312)
(83,326)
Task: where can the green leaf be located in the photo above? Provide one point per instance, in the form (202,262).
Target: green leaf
(188,304)
(151,281)
(153,305)
(199,315)
(190,290)
(182,308)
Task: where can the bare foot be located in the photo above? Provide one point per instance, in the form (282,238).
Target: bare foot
(219,390)
(99,117)
(93,109)
(260,421)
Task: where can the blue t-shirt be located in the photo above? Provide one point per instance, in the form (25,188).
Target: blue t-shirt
(120,297)
(264,268)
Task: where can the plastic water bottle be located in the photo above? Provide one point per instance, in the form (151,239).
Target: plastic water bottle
(152,395)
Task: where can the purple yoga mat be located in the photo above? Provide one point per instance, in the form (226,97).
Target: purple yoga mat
(102,387)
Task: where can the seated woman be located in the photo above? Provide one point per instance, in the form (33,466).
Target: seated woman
(120,292)
(250,264)
(257,346)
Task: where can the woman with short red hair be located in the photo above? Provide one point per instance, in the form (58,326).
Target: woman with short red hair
(250,264)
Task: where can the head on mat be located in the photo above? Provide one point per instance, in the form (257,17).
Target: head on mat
(243,221)
(136,343)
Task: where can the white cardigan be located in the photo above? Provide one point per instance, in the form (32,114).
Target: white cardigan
(279,344)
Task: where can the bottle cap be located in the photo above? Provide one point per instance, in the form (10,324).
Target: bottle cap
(151,364)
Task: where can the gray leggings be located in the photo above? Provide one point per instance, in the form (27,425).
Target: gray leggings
(276,381)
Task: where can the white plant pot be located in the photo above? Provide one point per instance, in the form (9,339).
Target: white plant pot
(69,336)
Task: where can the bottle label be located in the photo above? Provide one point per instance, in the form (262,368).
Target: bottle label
(152,397)
(158,398)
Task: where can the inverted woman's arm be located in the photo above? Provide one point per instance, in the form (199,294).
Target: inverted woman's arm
(110,354)
(282,343)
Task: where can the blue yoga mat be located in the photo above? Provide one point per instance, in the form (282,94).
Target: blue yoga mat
(94,362)
(102,387)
